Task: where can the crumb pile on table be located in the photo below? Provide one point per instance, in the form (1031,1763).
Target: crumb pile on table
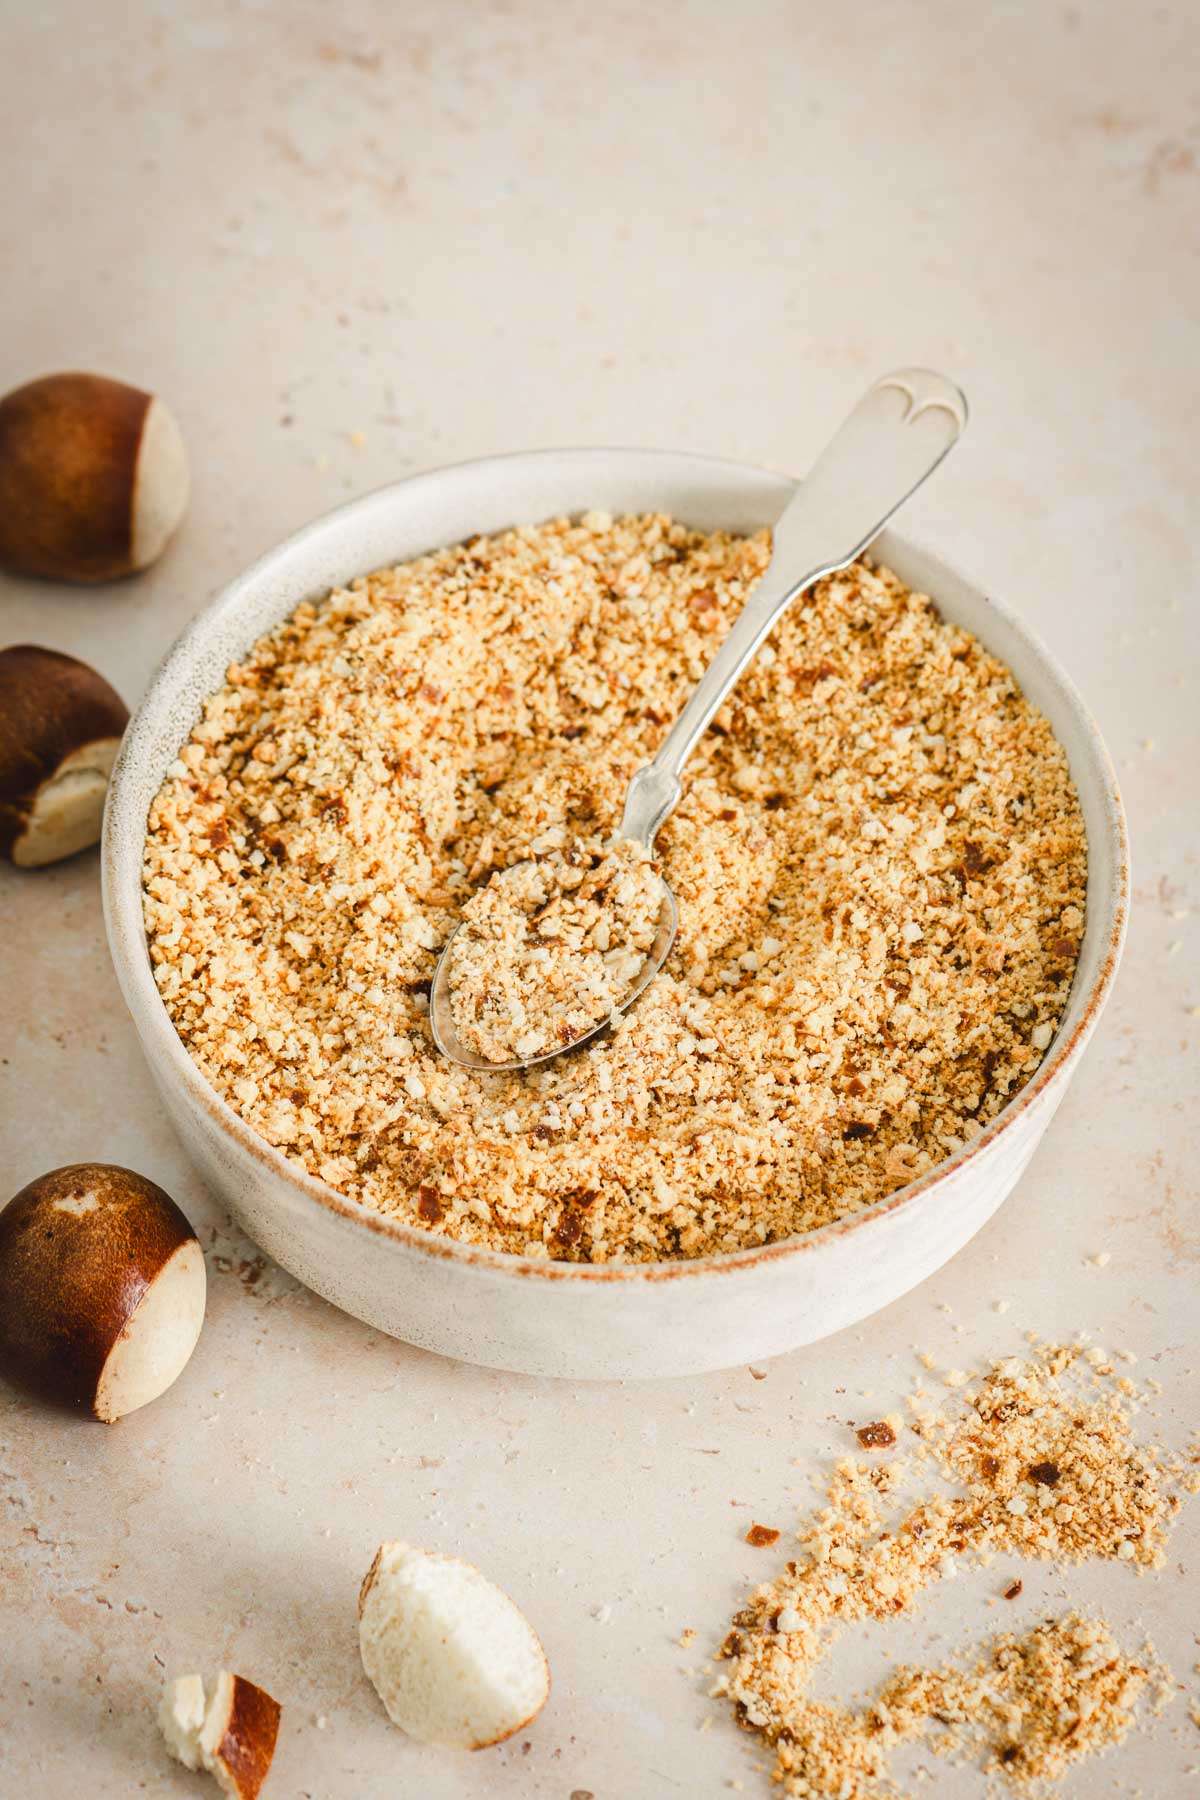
(1039,1460)
(879,858)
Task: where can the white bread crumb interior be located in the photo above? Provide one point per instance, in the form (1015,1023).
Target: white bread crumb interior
(453,1659)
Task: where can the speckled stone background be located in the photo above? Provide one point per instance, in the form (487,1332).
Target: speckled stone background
(349,242)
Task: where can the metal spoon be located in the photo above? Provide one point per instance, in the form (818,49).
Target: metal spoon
(895,437)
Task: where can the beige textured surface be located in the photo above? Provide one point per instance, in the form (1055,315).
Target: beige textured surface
(346,245)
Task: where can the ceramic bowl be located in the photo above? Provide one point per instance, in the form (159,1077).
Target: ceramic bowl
(572,1319)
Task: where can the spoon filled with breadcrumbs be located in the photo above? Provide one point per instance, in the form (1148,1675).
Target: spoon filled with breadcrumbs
(555,948)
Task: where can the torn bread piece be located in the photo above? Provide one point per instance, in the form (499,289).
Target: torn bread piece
(60,730)
(102,1289)
(453,1659)
(231,1733)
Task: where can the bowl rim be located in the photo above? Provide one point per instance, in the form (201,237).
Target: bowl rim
(122,892)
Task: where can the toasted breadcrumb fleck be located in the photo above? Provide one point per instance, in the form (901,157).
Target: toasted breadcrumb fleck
(879,859)
(762,1536)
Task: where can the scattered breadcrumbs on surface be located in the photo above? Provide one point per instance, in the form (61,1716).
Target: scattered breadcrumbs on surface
(1035,1704)
(552,947)
(879,858)
(1038,1460)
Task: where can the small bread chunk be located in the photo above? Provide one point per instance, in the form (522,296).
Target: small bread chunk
(232,1734)
(93,478)
(102,1289)
(452,1658)
(60,730)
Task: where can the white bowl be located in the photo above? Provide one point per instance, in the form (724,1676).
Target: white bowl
(575,1319)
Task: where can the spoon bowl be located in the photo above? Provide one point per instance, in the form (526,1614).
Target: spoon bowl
(441,1012)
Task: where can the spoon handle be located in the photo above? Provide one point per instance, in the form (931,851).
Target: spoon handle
(895,437)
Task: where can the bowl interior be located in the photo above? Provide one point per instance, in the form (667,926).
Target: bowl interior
(441,507)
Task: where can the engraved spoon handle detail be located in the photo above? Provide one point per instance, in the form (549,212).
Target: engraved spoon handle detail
(895,437)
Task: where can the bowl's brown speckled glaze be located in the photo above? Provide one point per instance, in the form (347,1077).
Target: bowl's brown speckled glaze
(576,1319)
